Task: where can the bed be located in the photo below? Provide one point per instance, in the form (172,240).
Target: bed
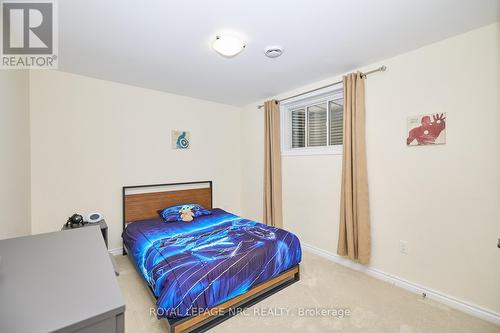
(202,272)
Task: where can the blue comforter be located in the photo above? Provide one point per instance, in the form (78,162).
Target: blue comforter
(193,266)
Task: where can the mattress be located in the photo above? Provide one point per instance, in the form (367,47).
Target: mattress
(194,266)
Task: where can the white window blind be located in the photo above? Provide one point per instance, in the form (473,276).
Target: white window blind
(314,124)
(336,119)
(298,128)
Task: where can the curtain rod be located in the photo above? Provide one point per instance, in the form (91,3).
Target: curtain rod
(380,69)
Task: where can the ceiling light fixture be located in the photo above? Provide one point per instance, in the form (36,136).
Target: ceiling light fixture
(228,46)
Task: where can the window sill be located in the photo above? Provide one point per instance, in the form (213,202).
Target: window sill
(313,151)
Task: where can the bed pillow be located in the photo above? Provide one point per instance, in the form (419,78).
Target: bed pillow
(183,213)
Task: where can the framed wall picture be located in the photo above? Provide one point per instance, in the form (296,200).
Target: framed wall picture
(180,139)
(427,129)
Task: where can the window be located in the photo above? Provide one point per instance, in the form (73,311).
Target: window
(298,128)
(313,125)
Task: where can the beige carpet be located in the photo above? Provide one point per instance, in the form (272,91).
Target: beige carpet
(376,306)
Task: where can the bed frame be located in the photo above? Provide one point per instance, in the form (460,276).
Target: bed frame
(142,202)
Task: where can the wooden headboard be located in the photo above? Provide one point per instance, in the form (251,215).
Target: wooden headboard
(142,202)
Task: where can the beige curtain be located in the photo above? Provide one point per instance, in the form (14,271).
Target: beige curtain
(273,215)
(354,230)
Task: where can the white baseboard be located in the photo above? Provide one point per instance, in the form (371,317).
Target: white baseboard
(452,302)
(116,252)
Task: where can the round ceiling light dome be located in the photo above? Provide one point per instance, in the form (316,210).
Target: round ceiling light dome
(273,51)
(228,46)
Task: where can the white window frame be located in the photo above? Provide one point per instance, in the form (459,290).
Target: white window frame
(286,108)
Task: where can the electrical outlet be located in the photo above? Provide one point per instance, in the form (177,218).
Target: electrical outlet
(403,247)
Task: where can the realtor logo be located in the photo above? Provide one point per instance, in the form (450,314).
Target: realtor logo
(29,35)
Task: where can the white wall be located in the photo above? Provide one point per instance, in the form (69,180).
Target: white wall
(443,200)
(91,137)
(14,153)
(252,161)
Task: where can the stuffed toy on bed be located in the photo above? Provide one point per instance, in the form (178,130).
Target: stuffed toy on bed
(186,213)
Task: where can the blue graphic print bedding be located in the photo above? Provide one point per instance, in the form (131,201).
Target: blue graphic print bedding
(193,266)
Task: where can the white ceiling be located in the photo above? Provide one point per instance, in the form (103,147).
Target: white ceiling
(165,45)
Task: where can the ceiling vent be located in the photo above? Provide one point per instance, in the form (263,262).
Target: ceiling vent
(273,51)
